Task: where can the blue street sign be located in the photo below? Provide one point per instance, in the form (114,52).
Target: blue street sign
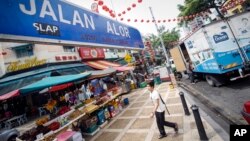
(58,21)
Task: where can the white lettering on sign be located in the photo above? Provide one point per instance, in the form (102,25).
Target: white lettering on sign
(77,19)
(32,10)
(239,132)
(120,30)
(61,15)
(48,11)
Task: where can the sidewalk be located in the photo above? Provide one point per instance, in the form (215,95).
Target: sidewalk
(134,124)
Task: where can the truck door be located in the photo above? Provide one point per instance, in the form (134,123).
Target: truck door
(225,48)
(241,28)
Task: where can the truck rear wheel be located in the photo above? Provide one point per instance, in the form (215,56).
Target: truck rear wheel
(210,80)
(215,81)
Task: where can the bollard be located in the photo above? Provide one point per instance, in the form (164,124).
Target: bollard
(184,104)
(199,124)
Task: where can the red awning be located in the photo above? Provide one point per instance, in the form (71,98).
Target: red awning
(60,87)
(101,64)
(10,95)
(123,68)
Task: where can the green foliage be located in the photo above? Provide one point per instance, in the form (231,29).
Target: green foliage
(168,36)
(195,6)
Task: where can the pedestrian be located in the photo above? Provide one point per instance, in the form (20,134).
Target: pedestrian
(159,112)
(190,71)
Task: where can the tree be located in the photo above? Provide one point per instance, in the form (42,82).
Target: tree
(168,37)
(195,6)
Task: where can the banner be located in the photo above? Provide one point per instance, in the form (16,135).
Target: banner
(60,22)
(91,53)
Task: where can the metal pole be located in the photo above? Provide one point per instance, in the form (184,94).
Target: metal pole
(199,124)
(162,43)
(184,104)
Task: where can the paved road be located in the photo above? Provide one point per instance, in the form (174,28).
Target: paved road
(229,98)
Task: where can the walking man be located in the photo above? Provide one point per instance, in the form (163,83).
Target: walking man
(159,111)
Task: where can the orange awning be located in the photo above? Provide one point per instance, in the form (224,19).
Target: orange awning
(101,64)
(10,95)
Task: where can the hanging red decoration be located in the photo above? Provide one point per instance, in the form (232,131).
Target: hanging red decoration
(159,21)
(173,19)
(100,3)
(128,8)
(104,7)
(153,21)
(121,19)
(128,20)
(134,5)
(169,20)
(147,21)
(142,21)
(135,20)
(139,1)
(164,21)
(123,12)
(107,9)
(119,14)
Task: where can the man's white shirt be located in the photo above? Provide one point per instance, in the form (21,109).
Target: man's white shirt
(154,96)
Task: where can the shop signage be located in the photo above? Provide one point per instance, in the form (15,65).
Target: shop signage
(28,63)
(128,58)
(91,53)
(65,58)
(59,21)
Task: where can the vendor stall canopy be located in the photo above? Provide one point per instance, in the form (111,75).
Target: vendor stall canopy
(52,81)
(102,65)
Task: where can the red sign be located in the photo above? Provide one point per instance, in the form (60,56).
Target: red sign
(91,53)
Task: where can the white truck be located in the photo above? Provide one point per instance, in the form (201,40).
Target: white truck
(220,51)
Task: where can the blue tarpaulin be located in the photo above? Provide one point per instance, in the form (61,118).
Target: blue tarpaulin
(52,81)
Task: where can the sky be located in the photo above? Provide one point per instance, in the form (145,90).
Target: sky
(162,9)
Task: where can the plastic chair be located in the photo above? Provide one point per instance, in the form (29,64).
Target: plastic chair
(42,111)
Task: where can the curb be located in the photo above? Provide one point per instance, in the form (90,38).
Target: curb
(220,110)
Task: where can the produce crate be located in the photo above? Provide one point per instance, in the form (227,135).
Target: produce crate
(143,85)
(91,129)
(101,117)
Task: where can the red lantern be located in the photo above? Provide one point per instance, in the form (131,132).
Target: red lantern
(169,20)
(164,21)
(135,20)
(173,19)
(121,19)
(119,14)
(100,3)
(104,7)
(128,20)
(153,21)
(107,9)
(139,1)
(159,21)
(147,21)
(123,12)
(133,5)
(142,21)
(128,8)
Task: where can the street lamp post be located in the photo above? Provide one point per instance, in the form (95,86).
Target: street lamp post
(162,43)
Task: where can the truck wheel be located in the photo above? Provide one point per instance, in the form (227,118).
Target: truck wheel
(12,138)
(210,80)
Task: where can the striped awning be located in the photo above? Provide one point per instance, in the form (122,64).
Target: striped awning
(101,64)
